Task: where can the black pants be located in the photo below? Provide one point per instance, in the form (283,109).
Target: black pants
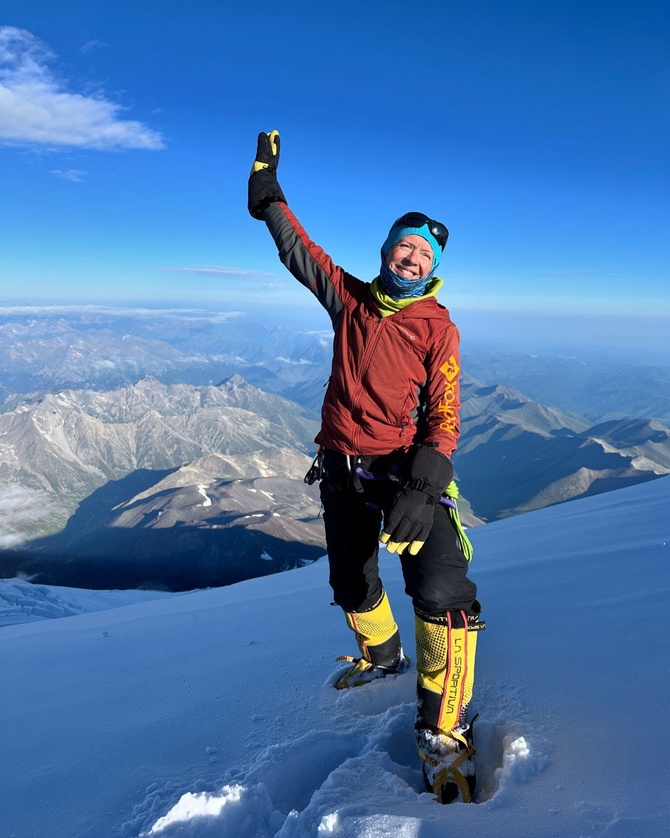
(435,579)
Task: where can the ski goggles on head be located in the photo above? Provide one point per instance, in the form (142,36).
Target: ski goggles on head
(418,219)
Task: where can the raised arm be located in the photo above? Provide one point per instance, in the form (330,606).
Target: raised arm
(309,263)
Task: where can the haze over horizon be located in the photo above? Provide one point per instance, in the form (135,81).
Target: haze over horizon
(534,131)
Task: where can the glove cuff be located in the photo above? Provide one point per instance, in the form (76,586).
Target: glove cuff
(264,189)
(431,472)
(421,486)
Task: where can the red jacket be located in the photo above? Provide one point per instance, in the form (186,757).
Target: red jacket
(395,378)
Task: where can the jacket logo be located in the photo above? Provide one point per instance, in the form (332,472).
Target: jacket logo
(407,332)
(450,370)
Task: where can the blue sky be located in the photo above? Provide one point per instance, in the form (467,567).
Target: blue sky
(537,131)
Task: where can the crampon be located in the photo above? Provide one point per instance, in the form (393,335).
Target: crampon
(447,764)
(363,671)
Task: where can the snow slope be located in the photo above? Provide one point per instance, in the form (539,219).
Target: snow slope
(22,602)
(210,713)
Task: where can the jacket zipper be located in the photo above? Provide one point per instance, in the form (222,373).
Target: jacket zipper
(365,361)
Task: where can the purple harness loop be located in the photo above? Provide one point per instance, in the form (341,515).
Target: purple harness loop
(393,475)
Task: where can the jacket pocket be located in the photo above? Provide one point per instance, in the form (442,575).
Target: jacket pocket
(406,419)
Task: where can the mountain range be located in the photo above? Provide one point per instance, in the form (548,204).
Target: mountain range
(78,469)
(104,348)
(54,349)
(182,486)
(597,383)
(515,455)
(108,474)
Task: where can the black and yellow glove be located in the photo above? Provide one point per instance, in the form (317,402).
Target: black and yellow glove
(264,188)
(267,152)
(410,520)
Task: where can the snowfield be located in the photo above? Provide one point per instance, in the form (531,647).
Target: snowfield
(22,602)
(211,713)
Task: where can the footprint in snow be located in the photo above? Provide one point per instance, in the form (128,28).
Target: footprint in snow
(366,764)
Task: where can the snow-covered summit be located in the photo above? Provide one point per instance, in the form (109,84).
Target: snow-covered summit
(211,714)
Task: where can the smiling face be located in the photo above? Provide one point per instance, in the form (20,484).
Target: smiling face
(410,257)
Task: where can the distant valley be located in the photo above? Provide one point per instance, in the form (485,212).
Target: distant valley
(515,455)
(216,521)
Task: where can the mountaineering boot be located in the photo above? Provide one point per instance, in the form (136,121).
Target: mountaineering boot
(445,650)
(446,764)
(378,640)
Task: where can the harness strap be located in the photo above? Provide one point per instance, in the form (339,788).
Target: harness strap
(353,466)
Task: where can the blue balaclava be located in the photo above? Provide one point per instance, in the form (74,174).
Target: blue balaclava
(400,287)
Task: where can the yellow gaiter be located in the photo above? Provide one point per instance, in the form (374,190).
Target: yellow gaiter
(445,652)
(377,633)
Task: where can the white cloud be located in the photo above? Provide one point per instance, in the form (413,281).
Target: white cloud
(220,271)
(35,107)
(24,512)
(89,46)
(119,311)
(75,175)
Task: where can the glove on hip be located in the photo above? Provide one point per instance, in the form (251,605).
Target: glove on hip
(411,517)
